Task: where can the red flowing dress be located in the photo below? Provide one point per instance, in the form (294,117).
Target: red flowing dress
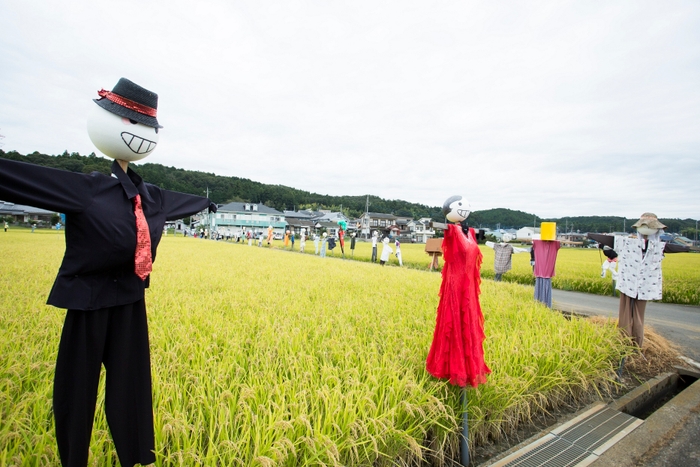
(457,350)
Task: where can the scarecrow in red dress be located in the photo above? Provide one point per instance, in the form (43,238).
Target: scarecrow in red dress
(457,351)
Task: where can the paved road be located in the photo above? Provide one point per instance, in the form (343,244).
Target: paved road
(678,323)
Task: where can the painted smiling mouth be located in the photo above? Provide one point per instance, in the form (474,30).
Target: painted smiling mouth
(138,144)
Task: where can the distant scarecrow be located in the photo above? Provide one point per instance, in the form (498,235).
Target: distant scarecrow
(343,227)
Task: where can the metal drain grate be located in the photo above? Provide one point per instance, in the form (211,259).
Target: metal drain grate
(598,429)
(576,443)
(553,452)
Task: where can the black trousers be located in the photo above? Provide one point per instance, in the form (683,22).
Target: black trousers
(118,338)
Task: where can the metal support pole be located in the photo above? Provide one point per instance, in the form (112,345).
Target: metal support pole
(464,438)
(620,368)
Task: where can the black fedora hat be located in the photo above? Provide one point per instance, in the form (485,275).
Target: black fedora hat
(128,99)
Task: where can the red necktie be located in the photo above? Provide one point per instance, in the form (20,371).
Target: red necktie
(142,261)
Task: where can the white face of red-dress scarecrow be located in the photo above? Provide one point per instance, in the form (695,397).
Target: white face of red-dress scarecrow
(456,209)
(120,138)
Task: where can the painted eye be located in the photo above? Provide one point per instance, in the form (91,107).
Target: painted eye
(133,122)
(156,130)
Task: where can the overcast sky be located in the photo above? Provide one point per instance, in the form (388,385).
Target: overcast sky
(553,108)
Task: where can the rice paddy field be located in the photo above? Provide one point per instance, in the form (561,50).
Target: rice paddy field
(266,357)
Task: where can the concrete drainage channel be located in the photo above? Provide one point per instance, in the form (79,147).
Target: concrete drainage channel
(617,434)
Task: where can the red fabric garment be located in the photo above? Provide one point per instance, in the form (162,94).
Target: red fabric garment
(545,257)
(457,350)
(341,237)
(143,263)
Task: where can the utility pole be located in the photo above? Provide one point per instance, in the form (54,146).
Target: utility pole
(366,217)
(209,214)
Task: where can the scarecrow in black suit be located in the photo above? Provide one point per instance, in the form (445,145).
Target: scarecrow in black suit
(113,226)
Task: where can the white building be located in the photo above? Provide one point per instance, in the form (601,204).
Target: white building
(421,230)
(528,234)
(241,217)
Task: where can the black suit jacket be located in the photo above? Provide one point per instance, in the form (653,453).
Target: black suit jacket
(98,265)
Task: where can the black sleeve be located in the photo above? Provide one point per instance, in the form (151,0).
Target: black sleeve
(179,205)
(610,254)
(672,248)
(45,187)
(605,240)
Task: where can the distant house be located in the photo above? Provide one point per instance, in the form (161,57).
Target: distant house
(404,232)
(527,234)
(420,230)
(177,225)
(503,235)
(329,216)
(241,217)
(297,220)
(331,228)
(572,237)
(328,221)
(370,221)
(26,214)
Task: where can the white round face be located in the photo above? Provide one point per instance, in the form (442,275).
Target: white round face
(120,138)
(459,210)
(643,230)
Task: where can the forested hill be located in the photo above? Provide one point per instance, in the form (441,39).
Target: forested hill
(226,189)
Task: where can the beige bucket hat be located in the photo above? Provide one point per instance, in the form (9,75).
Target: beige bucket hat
(650,220)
